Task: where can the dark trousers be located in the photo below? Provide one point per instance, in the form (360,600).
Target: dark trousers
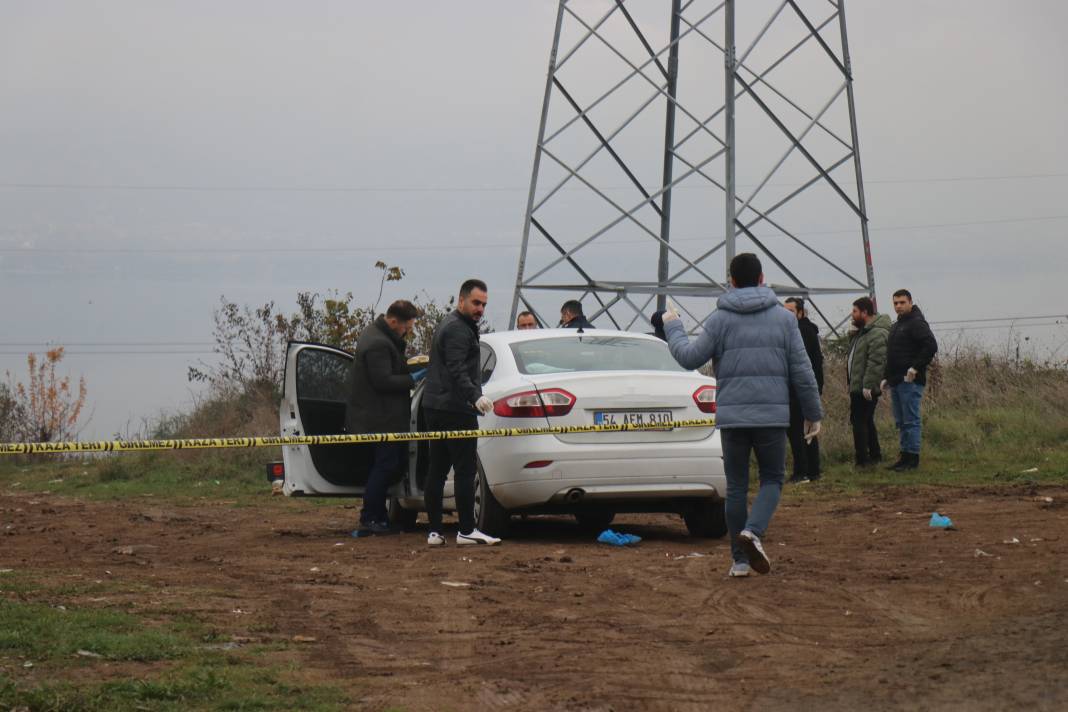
(387,460)
(806,455)
(865,436)
(460,455)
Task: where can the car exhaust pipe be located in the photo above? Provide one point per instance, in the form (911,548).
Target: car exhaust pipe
(574,495)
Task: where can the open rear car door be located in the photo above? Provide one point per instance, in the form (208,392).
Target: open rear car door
(314,394)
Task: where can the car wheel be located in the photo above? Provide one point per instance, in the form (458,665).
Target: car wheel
(490,516)
(708,519)
(595,521)
(399,517)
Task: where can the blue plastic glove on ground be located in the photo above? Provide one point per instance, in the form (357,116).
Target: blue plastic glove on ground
(937,520)
(617,538)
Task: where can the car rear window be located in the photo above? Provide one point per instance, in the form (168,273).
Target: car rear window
(592,353)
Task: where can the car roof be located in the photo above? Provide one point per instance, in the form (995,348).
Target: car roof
(502,338)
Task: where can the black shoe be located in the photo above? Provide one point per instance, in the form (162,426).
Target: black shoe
(876,459)
(374,529)
(815,478)
(795,480)
(901,460)
(909,461)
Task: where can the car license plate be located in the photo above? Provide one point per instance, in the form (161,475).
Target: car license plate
(633,417)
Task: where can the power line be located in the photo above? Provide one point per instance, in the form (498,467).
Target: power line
(57,344)
(119,353)
(186,188)
(469,246)
(1001,326)
(999,318)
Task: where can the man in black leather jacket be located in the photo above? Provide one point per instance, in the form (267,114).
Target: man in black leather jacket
(453,400)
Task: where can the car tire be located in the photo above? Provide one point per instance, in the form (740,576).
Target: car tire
(490,516)
(707,520)
(399,517)
(595,521)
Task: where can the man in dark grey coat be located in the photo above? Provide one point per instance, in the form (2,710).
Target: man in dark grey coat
(380,402)
(758,355)
(453,400)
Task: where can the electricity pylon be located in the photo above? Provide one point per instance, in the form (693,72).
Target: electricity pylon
(663,148)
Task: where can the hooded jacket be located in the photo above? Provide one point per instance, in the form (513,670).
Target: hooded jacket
(910,344)
(379,385)
(866,359)
(757,354)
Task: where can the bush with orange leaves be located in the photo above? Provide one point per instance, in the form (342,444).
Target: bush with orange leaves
(49,407)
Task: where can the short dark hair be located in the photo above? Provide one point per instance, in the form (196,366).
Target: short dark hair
(799,302)
(903,293)
(470,285)
(574,306)
(746,270)
(525,313)
(866,305)
(403,310)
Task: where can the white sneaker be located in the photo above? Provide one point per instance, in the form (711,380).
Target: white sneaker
(435,539)
(476,537)
(739,569)
(758,560)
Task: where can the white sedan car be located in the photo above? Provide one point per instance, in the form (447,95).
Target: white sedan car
(536,378)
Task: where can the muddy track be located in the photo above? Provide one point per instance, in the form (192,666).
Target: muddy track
(866,606)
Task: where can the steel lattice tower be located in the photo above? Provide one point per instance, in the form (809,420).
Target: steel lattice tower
(663,149)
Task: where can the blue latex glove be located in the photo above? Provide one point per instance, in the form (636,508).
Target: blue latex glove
(617,538)
(419,375)
(940,522)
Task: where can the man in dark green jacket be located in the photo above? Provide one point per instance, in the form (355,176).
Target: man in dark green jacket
(380,402)
(864,369)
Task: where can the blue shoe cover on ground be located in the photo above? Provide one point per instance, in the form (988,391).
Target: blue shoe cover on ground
(937,520)
(617,538)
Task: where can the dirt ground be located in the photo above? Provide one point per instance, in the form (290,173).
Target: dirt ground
(866,605)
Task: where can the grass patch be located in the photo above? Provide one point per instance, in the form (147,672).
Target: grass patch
(42,632)
(210,682)
(194,677)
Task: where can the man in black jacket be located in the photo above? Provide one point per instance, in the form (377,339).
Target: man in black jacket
(380,402)
(806,454)
(571,316)
(910,347)
(452,400)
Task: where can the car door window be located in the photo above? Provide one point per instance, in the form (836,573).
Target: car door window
(487,362)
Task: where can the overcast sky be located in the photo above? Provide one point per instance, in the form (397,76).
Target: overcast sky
(157,155)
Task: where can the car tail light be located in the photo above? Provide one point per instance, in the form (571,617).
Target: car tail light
(535,404)
(275,471)
(705,398)
(536,464)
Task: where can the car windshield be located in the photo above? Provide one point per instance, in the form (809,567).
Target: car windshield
(592,353)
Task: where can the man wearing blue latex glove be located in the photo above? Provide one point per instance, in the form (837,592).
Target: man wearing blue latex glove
(758,355)
(418,375)
(380,402)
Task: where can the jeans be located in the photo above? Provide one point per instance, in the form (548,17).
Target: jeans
(905,398)
(461,456)
(865,437)
(769,444)
(387,460)
(806,455)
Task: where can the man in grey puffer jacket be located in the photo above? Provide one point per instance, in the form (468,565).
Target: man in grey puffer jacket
(757,354)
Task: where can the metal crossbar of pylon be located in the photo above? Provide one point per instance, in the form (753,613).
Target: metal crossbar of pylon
(625,206)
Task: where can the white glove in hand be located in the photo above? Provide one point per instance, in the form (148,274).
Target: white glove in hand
(866,392)
(484,405)
(884,386)
(811,430)
(910,375)
(671,313)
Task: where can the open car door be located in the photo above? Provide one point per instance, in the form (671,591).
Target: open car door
(314,395)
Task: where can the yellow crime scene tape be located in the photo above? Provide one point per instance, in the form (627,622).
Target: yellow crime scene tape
(209,443)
